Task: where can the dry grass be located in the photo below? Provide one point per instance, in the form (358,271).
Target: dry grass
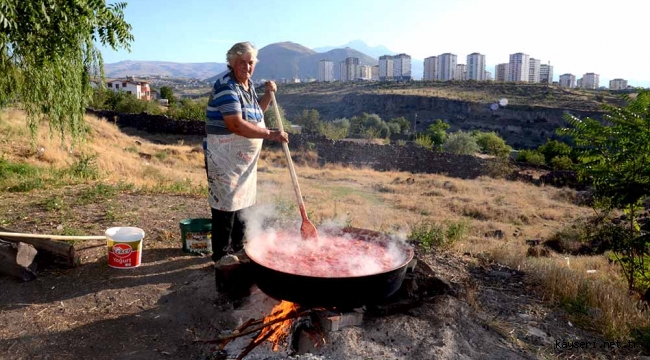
(391,202)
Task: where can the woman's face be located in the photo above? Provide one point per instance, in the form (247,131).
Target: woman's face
(244,67)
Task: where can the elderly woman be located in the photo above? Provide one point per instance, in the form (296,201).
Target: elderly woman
(235,131)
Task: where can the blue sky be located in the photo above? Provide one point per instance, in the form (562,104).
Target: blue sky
(576,36)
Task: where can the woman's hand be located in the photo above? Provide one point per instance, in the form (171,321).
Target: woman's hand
(279,136)
(270,87)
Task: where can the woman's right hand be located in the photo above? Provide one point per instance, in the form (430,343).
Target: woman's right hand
(279,136)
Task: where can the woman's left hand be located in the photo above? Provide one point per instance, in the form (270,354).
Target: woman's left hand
(270,87)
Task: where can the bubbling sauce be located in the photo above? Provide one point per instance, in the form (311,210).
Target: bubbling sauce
(329,256)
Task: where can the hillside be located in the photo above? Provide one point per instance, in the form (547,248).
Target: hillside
(499,303)
(163,68)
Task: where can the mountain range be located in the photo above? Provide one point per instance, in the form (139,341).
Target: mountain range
(276,61)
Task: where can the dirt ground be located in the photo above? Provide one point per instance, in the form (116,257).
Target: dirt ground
(157,310)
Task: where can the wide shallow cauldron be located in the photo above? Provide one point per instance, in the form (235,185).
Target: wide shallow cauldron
(339,292)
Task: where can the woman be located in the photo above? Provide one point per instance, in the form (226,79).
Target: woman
(235,131)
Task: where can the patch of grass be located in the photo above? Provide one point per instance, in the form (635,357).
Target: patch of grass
(430,235)
(84,168)
(99,192)
(55,203)
(161,155)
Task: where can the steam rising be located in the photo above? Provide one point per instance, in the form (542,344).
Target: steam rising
(280,246)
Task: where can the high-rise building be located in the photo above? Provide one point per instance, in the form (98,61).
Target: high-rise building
(349,69)
(446,66)
(501,72)
(326,70)
(487,76)
(618,84)
(476,67)
(402,67)
(518,67)
(590,81)
(546,74)
(365,72)
(461,72)
(374,76)
(385,68)
(431,68)
(567,80)
(534,70)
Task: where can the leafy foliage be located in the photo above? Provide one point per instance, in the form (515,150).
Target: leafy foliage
(335,130)
(368,126)
(309,120)
(491,143)
(554,148)
(438,132)
(460,143)
(271,121)
(615,158)
(167,93)
(188,109)
(48,57)
(424,141)
(532,157)
(403,125)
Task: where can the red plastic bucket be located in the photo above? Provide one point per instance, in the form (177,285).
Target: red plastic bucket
(124,247)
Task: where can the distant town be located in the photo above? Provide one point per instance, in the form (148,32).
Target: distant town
(445,67)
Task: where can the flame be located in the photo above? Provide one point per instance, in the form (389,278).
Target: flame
(277,332)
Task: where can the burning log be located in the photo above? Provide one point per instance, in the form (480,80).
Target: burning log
(17,259)
(59,251)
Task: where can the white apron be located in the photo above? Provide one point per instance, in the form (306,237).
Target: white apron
(232,170)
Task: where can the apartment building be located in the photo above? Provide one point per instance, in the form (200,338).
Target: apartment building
(385,68)
(476,67)
(487,76)
(519,67)
(430,68)
(546,74)
(325,70)
(567,80)
(402,67)
(349,69)
(446,66)
(534,70)
(618,84)
(461,72)
(501,72)
(365,72)
(374,73)
(589,81)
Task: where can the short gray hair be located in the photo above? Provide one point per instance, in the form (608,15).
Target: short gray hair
(240,49)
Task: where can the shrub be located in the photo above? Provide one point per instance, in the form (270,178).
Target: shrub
(562,162)
(424,141)
(460,143)
(490,143)
(532,157)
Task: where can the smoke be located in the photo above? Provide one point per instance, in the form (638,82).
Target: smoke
(278,245)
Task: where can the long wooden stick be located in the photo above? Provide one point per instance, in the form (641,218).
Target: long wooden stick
(51,237)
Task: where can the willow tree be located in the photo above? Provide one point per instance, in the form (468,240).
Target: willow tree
(48,56)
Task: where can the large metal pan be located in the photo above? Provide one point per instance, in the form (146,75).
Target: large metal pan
(339,292)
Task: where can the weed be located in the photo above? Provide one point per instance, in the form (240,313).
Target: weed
(54,203)
(98,192)
(160,155)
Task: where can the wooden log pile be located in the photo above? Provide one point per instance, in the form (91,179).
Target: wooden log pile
(19,255)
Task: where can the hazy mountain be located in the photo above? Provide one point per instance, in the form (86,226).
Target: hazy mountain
(172,69)
(359,45)
(417,65)
(290,60)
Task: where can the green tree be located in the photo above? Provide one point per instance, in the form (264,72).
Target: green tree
(491,143)
(437,132)
(554,148)
(336,129)
(402,122)
(271,121)
(48,56)
(309,120)
(360,125)
(460,143)
(166,92)
(614,157)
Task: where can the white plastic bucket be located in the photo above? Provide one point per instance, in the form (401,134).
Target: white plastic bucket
(124,247)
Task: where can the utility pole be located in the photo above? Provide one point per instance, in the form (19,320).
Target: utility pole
(415,124)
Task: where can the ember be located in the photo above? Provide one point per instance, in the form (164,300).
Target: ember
(331,256)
